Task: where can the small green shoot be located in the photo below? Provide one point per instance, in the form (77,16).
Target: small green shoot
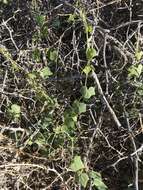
(45,72)
(138,55)
(40,19)
(53,56)
(15,111)
(135,70)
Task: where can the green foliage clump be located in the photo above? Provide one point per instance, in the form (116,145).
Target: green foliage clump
(69,70)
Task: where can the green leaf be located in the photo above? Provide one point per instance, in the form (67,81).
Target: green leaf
(83,179)
(40,141)
(91,91)
(70,118)
(82,107)
(40,19)
(135,70)
(138,55)
(45,72)
(94,174)
(53,55)
(98,183)
(87,92)
(87,69)
(32,76)
(15,110)
(90,54)
(96,180)
(44,32)
(139,69)
(30,142)
(79,107)
(36,55)
(69,123)
(74,118)
(71,18)
(77,164)
(65,129)
(83,15)
(89,28)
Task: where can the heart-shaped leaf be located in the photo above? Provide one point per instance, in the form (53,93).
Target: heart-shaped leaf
(77,164)
(79,107)
(90,54)
(87,92)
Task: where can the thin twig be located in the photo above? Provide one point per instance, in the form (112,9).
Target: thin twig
(135,155)
(48,169)
(105,100)
(10,34)
(105,65)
